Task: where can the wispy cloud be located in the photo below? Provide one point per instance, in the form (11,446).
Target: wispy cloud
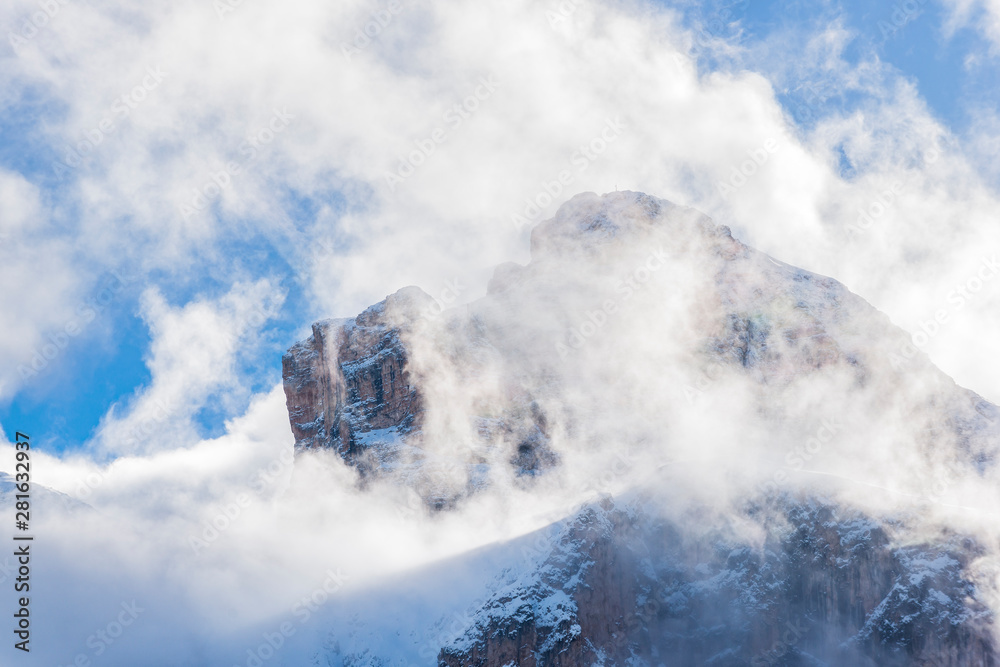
(521,111)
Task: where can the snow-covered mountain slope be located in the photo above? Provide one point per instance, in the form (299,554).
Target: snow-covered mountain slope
(642,339)
(45,501)
(620,587)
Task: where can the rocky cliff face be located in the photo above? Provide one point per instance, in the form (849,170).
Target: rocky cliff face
(639,326)
(351,387)
(621,587)
(348,388)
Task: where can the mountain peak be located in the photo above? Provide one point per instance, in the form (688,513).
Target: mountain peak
(402,307)
(589,221)
(640,342)
(620,284)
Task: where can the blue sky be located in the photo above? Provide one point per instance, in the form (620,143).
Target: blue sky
(334,211)
(249,172)
(912,41)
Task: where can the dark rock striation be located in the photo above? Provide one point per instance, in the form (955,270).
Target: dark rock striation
(347,387)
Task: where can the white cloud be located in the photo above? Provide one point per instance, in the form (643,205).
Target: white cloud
(610,96)
(343,124)
(192,359)
(982,15)
(45,311)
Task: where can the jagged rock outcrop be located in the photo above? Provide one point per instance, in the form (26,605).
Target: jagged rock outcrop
(351,387)
(347,387)
(621,587)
